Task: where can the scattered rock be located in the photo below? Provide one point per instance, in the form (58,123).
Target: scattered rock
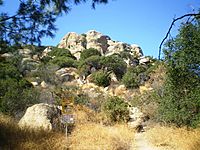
(137,118)
(120,90)
(7,55)
(144,60)
(34,83)
(41,116)
(67,74)
(46,51)
(44,84)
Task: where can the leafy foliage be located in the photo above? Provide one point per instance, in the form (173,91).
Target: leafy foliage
(34,20)
(101,78)
(84,66)
(63,61)
(16,94)
(89,52)
(135,76)
(59,52)
(181,99)
(114,63)
(116,109)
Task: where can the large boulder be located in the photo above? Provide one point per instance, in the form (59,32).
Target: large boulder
(41,116)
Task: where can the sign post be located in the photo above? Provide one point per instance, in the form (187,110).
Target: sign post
(67,117)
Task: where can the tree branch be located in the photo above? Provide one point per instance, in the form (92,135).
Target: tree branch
(8,18)
(169,30)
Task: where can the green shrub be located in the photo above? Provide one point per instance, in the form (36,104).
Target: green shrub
(130,79)
(135,76)
(8,71)
(81,99)
(63,61)
(116,109)
(101,78)
(114,63)
(59,52)
(46,72)
(84,66)
(16,96)
(88,53)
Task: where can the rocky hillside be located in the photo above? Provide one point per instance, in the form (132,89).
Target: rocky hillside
(91,67)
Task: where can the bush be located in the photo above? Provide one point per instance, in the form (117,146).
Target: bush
(88,53)
(8,71)
(81,99)
(116,109)
(16,96)
(59,52)
(63,61)
(101,78)
(130,79)
(114,63)
(134,77)
(84,66)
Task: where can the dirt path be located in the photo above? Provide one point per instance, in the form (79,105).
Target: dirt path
(141,143)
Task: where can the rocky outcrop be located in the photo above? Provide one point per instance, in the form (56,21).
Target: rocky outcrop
(41,116)
(67,74)
(93,39)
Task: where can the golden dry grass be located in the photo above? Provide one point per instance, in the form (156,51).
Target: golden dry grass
(88,134)
(175,138)
(91,134)
(13,137)
(95,136)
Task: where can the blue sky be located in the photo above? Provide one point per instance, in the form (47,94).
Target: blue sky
(142,22)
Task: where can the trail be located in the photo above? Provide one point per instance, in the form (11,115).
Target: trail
(141,143)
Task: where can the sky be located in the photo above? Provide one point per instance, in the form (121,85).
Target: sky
(142,22)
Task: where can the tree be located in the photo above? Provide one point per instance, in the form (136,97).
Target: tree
(181,98)
(34,20)
(114,63)
(16,94)
(89,52)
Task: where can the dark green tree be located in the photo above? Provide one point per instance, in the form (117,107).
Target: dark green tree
(34,19)
(89,52)
(181,97)
(114,63)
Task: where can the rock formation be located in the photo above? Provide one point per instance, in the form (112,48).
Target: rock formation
(93,39)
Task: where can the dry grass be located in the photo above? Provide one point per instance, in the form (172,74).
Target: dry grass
(95,136)
(13,137)
(88,134)
(175,138)
(91,134)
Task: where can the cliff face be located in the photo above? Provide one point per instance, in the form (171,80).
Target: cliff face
(93,39)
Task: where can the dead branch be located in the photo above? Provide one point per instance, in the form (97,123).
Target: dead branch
(170,28)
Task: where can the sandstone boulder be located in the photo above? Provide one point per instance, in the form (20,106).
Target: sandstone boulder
(41,116)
